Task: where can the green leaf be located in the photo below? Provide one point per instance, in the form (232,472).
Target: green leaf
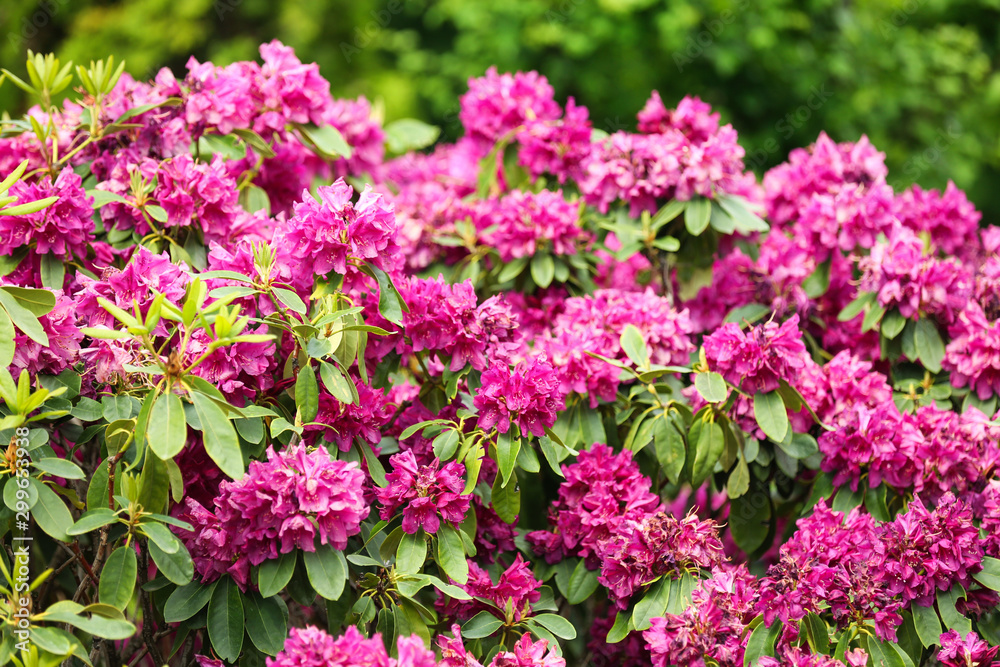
(67,611)
(274,574)
(652,605)
(162,536)
(543,269)
(176,567)
(266,624)
(769,411)
(670,210)
(634,346)
(761,643)
(800,446)
(750,516)
(582,583)
(928,343)
(989,577)
(118,577)
(710,443)
(670,450)
(928,626)
(92,520)
(882,653)
(53,271)
(51,513)
(506,499)
(892,324)
(23,318)
(187,600)
(290,299)
(6,339)
(446,443)
(409,134)
(481,625)
(167,428)
(307,393)
(10,262)
(411,552)
(817,633)
(697,215)
(220,438)
(59,468)
(711,386)
(327,570)
(872,317)
(339,386)
(226,620)
(557,625)
(721,220)
(747,222)
(621,628)
(390,303)
(953,619)
(512,269)
(748,314)
(855,308)
(739,479)
(451,554)
(507,450)
(328,140)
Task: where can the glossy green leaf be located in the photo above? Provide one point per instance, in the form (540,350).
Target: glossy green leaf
(327,570)
(697,215)
(307,393)
(118,577)
(187,600)
(274,574)
(226,620)
(771,415)
(451,554)
(927,624)
(266,624)
(711,386)
(167,428)
(220,438)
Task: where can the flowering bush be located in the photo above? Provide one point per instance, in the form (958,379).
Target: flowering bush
(282,387)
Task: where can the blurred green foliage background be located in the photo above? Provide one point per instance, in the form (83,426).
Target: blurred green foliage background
(919,77)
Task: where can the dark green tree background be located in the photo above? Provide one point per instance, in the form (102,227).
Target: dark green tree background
(919,77)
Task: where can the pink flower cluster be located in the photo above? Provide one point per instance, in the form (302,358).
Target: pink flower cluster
(519,224)
(325,235)
(527,396)
(680,155)
(426,493)
(312,647)
(282,504)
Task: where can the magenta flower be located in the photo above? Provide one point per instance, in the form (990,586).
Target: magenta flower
(602,491)
(973,355)
(931,550)
(528,396)
(711,627)
(280,505)
(516,586)
(970,651)
(312,647)
(497,104)
(324,235)
(62,229)
(444,318)
(521,223)
(755,360)
(919,285)
(427,493)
